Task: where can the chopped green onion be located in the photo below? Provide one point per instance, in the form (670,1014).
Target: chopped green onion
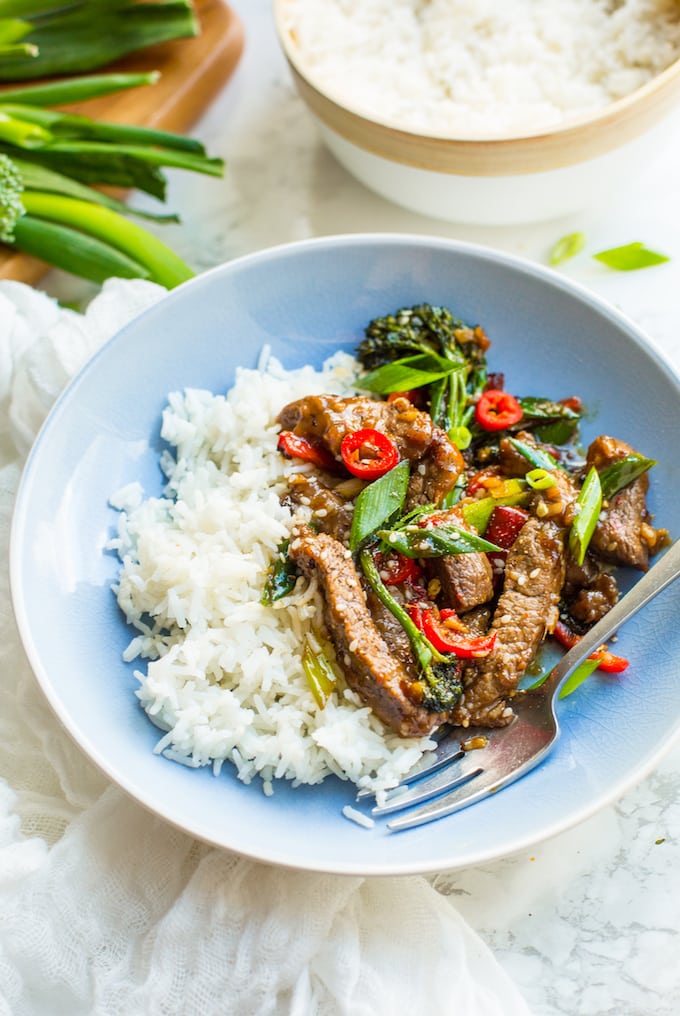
(630,257)
(581,674)
(378,502)
(407,373)
(619,474)
(538,457)
(478,513)
(540,479)
(434,541)
(319,673)
(589,504)
(567,247)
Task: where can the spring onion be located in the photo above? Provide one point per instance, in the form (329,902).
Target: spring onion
(619,474)
(589,504)
(566,247)
(434,541)
(630,257)
(378,502)
(82,35)
(49,159)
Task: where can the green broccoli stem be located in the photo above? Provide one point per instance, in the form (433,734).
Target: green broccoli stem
(73,252)
(163,265)
(423,649)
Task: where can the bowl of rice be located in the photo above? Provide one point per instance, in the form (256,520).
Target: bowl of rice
(488,113)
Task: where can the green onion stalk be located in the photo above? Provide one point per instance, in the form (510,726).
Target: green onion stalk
(52,168)
(46,38)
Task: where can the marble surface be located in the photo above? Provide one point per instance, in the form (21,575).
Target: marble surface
(588,924)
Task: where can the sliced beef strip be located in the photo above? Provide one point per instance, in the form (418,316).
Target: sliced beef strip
(589,592)
(437,472)
(623,534)
(594,600)
(512,462)
(527,610)
(332,514)
(371,669)
(466,580)
(392,632)
(326,419)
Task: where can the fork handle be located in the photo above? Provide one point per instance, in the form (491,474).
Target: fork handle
(665,571)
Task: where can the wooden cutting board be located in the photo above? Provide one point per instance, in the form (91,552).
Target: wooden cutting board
(192,73)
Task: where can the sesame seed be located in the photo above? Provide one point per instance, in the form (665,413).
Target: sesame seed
(534,573)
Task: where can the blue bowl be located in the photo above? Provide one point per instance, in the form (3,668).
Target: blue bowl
(550,337)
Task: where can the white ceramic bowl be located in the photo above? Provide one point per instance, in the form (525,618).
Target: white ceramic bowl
(501,181)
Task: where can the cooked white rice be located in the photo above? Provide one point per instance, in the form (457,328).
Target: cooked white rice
(482,68)
(222,673)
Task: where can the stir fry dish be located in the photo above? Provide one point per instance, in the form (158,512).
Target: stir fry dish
(451,526)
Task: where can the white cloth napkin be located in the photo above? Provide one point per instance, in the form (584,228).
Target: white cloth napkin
(104,908)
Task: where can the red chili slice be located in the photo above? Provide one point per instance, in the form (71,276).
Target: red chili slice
(295,447)
(461,645)
(396,568)
(497,410)
(608,662)
(368,454)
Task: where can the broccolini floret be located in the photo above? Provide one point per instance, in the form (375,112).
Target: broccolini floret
(11,207)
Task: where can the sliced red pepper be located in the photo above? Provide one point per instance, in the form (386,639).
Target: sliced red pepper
(295,447)
(504,525)
(565,636)
(415,612)
(396,568)
(503,529)
(497,410)
(444,641)
(368,453)
(608,662)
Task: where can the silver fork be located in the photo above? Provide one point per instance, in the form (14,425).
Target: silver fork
(510,752)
